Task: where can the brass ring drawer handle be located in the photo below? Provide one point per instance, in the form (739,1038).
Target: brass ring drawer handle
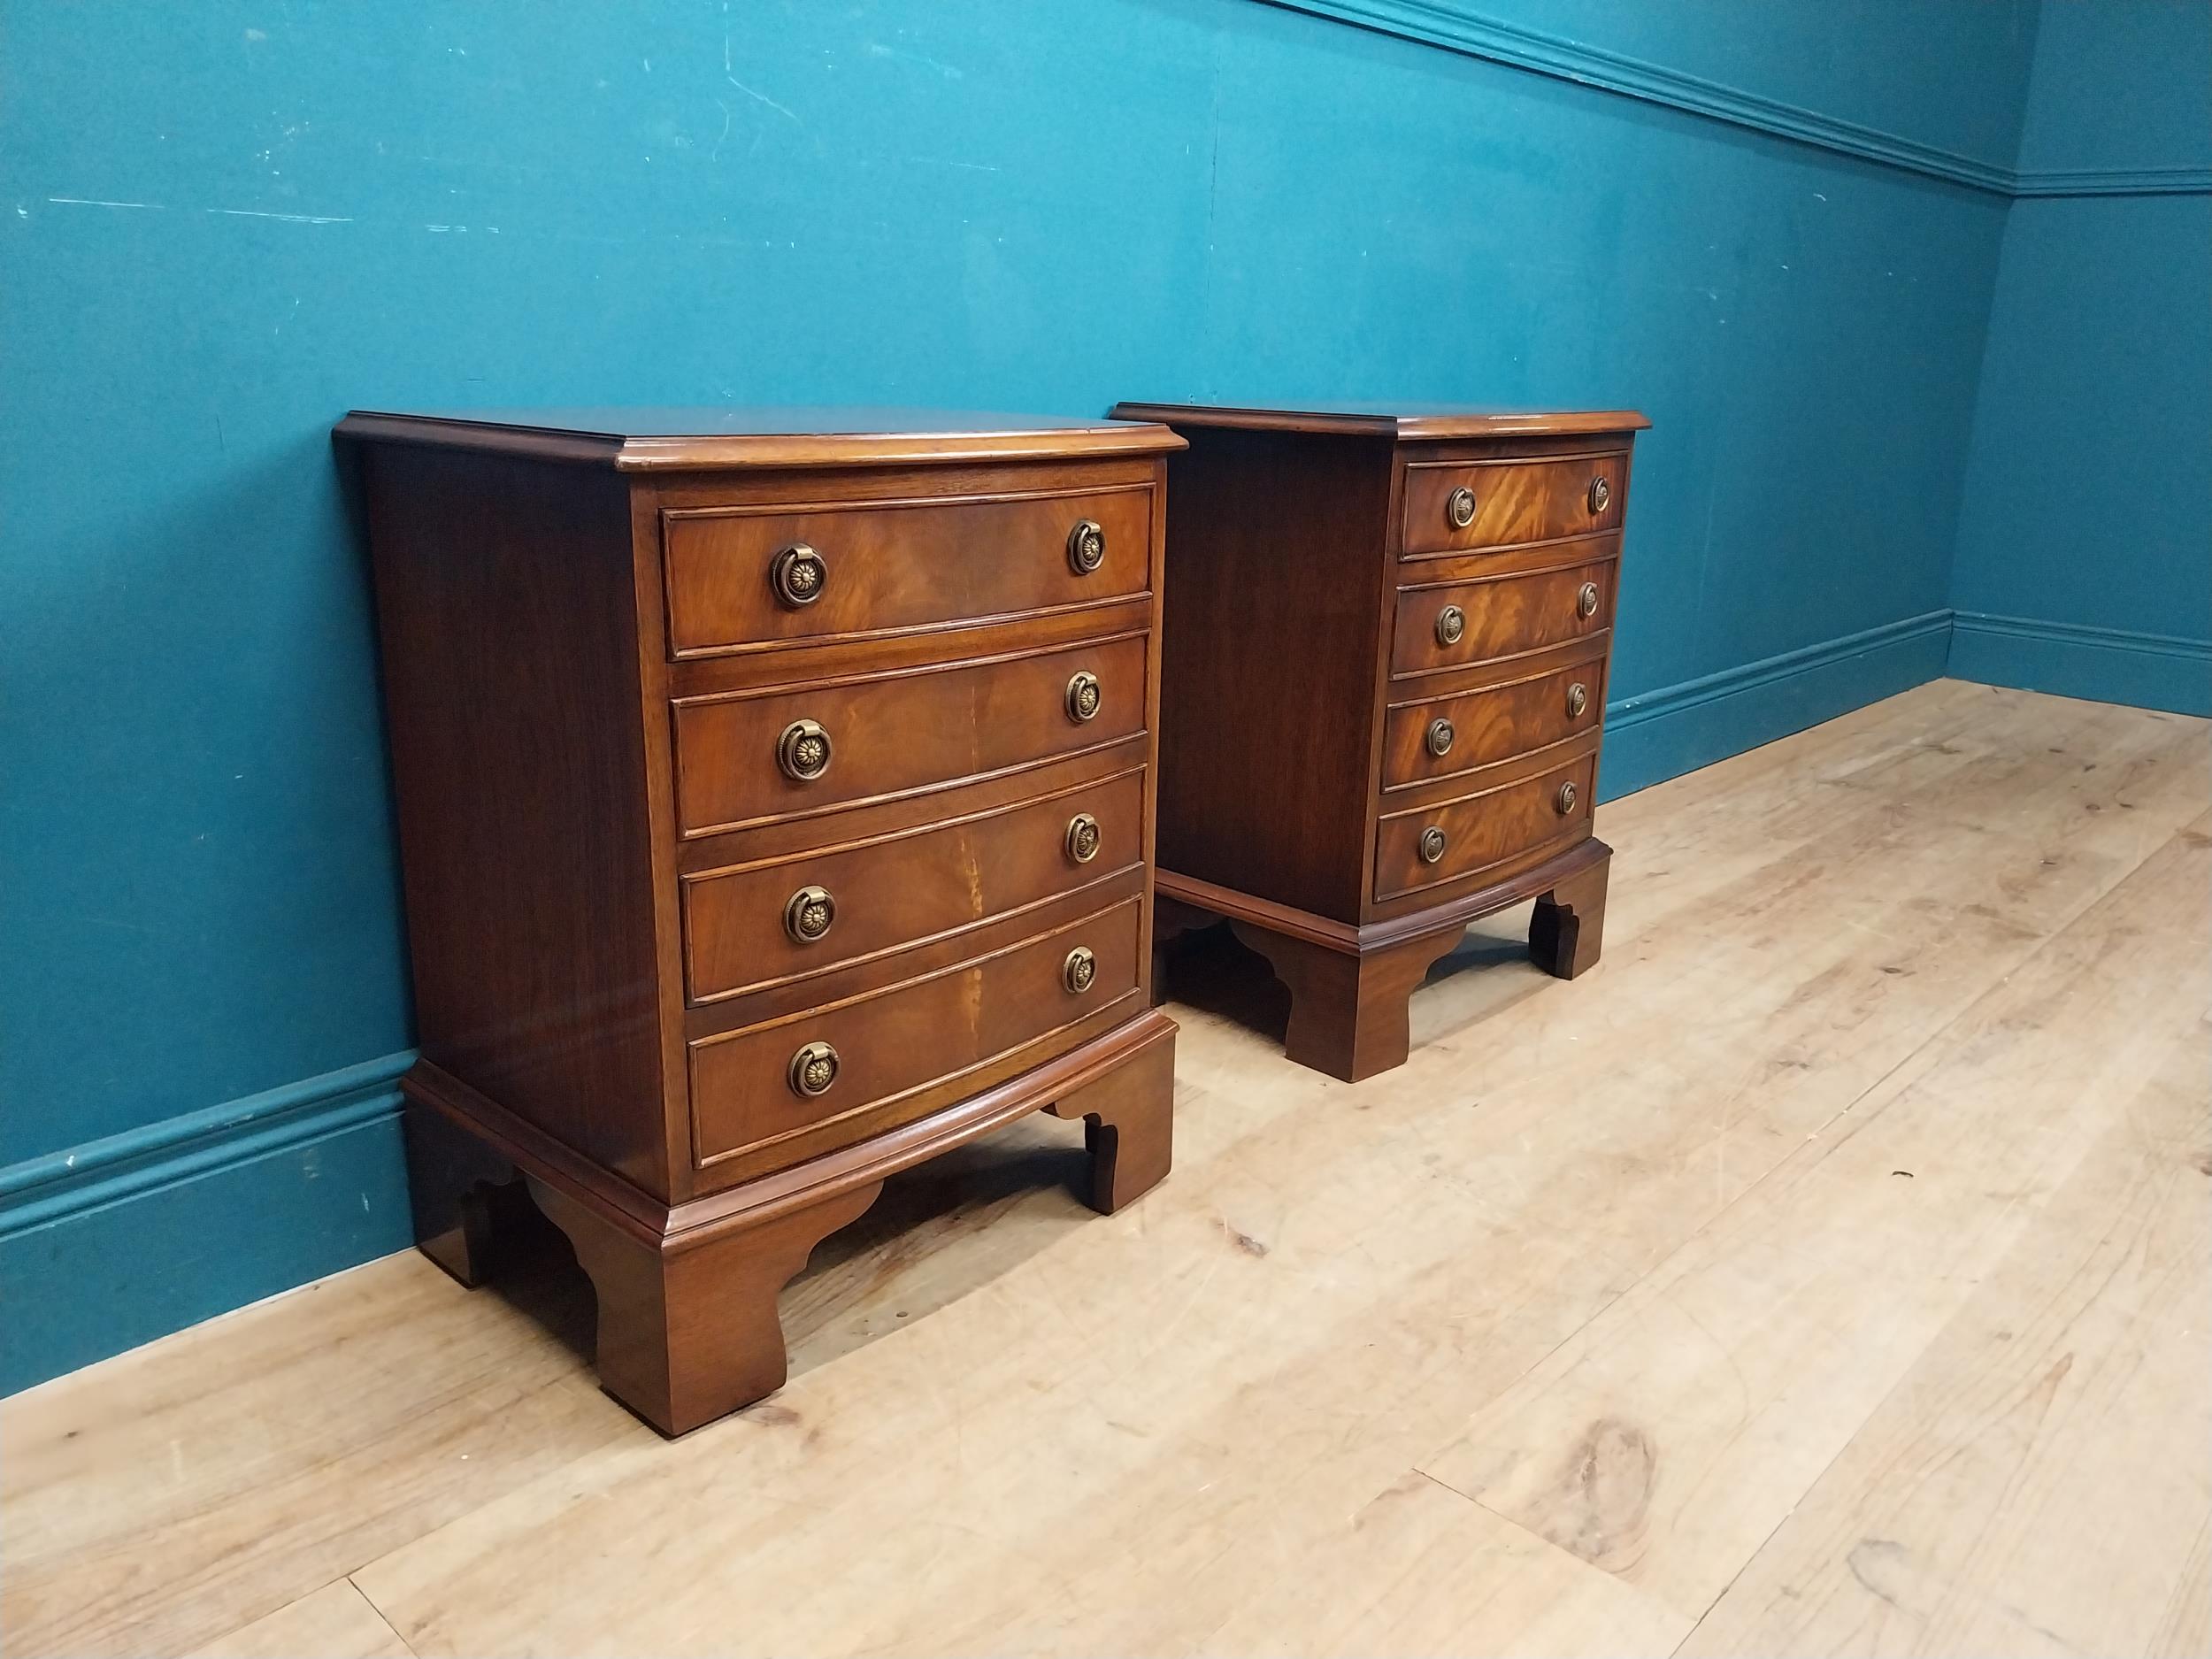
(1077,971)
(808,913)
(804,751)
(798,574)
(1083,696)
(1432,843)
(1601,494)
(1082,838)
(813,1069)
(1087,546)
(1577,700)
(1459,507)
(1451,625)
(1441,735)
(1587,601)
(1565,800)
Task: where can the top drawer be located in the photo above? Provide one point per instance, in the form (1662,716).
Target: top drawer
(1454,505)
(743,577)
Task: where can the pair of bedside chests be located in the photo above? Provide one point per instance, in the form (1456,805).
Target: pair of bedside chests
(786,797)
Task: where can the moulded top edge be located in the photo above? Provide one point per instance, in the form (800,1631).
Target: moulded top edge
(647,440)
(1410,421)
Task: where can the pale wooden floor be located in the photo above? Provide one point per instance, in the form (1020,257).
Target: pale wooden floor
(1829,1271)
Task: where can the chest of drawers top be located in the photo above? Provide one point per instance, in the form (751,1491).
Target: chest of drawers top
(724,738)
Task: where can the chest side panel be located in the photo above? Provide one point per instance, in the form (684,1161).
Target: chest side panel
(1269,638)
(508,633)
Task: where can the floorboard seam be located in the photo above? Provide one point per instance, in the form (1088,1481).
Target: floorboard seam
(382,1617)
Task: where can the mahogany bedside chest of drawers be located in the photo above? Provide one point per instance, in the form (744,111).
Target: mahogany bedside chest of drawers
(775,795)
(1383,680)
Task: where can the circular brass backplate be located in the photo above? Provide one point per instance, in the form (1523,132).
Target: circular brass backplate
(808,913)
(1459,507)
(1083,838)
(1441,735)
(1084,696)
(813,1069)
(1079,970)
(1431,844)
(1565,799)
(1451,625)
(798,574)
(1087,546)
(804,751)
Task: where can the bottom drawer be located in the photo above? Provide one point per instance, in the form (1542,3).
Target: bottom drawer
(1461,837)
(750,1088)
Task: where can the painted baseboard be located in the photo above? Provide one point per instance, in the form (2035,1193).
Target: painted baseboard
(1655,735)
(118,1242)
(2151,671)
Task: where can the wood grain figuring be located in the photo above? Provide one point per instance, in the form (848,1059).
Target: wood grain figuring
(1513,501)
(1961,1409)
(892,568)
(605,848)
(906,731)
(899,891)
(1491,725)
(1506,616)
(904,1038)
(1486,828)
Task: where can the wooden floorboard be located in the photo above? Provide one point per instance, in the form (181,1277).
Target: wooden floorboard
(1630,1313)
(1673,1433)
(2039,1479)
(336,1622)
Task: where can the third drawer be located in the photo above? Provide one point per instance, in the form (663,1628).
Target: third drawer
(1452,625)
(1441,737)
(755,925)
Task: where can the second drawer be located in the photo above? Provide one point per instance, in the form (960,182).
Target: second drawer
(754,1086)
(1443,736)
(756,924)
(1453,624)
(747,756)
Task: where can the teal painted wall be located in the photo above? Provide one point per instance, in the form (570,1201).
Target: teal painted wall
(2085,546)
(226,223)
(1948,76)
(2117,85)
